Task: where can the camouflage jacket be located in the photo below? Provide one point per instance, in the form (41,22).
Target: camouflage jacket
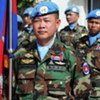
(54,77)
(71,37)
(92,57)
(25,36)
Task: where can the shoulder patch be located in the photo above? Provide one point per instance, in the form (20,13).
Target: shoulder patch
(85,68)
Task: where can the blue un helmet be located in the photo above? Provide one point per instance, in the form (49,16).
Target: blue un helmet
(94,14)
(74,9)
(28,11)
(19,19)
(44,8)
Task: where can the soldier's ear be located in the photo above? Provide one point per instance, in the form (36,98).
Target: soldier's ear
(58,22)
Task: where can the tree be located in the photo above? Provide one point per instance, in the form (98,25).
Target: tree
(23,4)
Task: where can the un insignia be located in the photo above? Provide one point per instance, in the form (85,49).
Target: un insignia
(74,9)
(98,13)
(44,10)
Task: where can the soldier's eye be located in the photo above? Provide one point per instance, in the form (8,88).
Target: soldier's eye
(94,22)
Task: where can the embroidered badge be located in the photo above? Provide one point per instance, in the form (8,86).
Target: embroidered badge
(58,57)
(28,55)
(82,45)
(98,13)
(98,47)
(60,63)
(74,9)
(43,9)
(85,68)
(27,61)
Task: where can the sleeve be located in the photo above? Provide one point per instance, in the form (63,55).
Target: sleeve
(81,80)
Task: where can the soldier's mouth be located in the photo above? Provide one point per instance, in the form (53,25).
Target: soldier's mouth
(42,32)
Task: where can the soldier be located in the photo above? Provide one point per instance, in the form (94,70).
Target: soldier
(27,31)
(28,22)
(73,32)
(20,27)
(93,52)
(46,69)
(91,43)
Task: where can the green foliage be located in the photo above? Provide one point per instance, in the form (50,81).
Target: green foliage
(23,4)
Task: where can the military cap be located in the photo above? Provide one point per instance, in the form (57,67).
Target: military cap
(94,14)
(72,9)
(44,8)
(28,11)
(19,19)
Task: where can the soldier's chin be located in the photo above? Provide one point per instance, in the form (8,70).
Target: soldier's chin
(93,33)
(42,38)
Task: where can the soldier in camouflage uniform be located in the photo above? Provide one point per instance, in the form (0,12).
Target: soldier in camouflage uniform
(46,69)
(73,32)
(91,43)
(28,21)
(27,30)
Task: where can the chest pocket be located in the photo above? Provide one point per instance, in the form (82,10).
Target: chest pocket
(56,76)
(26,69)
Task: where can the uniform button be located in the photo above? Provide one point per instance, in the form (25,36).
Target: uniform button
(61,82)
(50,82)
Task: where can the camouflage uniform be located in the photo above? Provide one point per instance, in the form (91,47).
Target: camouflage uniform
(92,57)
(25,36)
(71,37)
(56,77)
(50,78)
(27,32)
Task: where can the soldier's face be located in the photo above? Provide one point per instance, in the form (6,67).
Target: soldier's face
(72,17)
(94,26)
(27,20)
(45,26)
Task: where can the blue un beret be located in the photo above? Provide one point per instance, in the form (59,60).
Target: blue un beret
(19,19)
(28,11)
(44,8)
(72,9)
(94,14)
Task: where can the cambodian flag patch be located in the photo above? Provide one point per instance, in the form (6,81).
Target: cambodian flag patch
(58,57)
(98,47)
(85,68)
